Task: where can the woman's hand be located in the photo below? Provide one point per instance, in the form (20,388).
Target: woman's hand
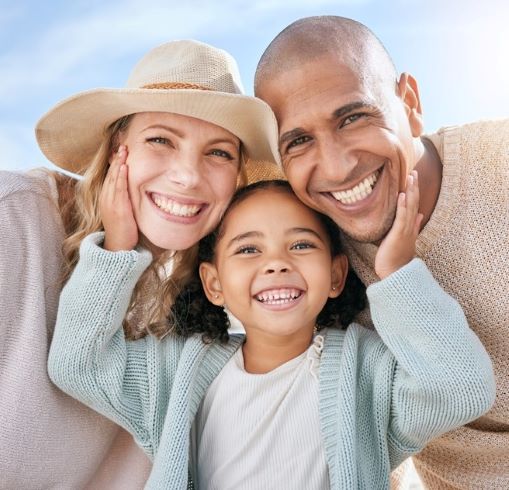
(120,228)
(398,247)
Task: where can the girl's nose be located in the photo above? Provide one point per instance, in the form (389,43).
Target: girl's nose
(277,266)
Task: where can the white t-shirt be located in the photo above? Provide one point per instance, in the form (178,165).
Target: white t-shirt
(262,431)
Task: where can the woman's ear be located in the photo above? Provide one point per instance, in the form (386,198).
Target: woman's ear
(409,94)
(210,282)
(338,276)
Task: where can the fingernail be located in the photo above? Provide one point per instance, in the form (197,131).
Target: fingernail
(410,179)
(121,148)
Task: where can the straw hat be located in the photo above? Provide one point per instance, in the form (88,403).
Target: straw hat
(184,77)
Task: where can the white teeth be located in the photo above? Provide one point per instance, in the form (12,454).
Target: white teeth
(174,208)
(278,296)
(359,192)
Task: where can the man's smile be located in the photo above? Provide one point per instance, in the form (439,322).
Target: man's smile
(359,192)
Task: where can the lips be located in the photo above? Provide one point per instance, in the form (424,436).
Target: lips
(360,191)
(175,208)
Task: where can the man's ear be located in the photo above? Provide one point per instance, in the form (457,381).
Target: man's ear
(210,282)
(338,276)
(409,94)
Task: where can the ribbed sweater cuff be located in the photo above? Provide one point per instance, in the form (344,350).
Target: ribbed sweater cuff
(93,256)
(405,282)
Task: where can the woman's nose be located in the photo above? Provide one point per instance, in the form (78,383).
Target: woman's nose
(185,171)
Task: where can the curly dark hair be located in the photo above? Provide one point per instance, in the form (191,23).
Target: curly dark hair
(193,313)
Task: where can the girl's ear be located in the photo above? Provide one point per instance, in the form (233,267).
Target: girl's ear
(210,282)
(338,276)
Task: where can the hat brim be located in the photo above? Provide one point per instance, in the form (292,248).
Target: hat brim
(70,134)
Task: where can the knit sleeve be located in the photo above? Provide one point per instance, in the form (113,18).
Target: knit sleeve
(443,377)
(89,357)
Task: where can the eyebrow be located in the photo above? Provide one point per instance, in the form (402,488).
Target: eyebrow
(182,135)
(353,106)
(243,236)
(166,128)
(305,230)
(340,112)
(259,234)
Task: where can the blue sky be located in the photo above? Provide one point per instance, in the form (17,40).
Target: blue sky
(457,50)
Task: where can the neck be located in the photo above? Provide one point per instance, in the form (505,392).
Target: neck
(264,352)
(429,168)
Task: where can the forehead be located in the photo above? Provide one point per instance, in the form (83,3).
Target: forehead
(272,212)
(315,89)
(178,122)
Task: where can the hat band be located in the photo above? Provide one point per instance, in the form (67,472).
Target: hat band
(177,85)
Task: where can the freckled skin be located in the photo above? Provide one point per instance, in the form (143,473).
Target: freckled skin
(184,159)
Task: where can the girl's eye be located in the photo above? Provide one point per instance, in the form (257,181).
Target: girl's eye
(221,153)
(246,249)
(298,141)
(302,245)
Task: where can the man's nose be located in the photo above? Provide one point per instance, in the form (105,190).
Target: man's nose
(335,161)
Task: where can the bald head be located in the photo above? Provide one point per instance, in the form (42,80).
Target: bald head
(348,41)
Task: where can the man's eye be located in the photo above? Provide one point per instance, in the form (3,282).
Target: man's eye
(351,119)
(298,141)
(221,153)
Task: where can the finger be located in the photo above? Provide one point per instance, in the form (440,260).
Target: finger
(122,188)
(413,195)
(114,184)
(417,224)
(401,214)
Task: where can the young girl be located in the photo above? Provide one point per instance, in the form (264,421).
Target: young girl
(297,402)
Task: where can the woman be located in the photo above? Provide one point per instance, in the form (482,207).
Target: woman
(181,136)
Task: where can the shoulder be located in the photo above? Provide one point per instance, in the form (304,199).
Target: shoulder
(490,136)
(39,184)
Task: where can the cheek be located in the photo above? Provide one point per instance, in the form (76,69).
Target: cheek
(222,182)
(297,176)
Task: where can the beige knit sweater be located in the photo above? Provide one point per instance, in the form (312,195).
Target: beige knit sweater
(466,246)
(47,439)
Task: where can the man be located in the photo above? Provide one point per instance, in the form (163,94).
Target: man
(350,131)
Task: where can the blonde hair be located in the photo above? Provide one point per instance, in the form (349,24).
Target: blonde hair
(156,290)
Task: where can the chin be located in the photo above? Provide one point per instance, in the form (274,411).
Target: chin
(158,245)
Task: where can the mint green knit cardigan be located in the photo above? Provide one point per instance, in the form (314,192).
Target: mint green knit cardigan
(383,395)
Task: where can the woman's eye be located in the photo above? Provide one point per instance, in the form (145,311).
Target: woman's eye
(159,140)
(298,141)
(246,249)
(302,245)
(221,153)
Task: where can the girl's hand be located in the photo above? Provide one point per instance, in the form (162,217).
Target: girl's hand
(398,247)
(120,228)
